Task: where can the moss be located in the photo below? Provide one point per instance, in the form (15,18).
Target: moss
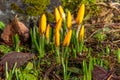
(17,8)
(73,5)
(50,17)
(32,7)
(29,11)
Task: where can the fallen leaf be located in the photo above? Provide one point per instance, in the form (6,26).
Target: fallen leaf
(20,28)
(7,34)
(99,73)
(15,27)
(15,57)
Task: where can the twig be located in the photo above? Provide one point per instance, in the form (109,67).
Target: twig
(110,5)
(92,34)
(117,41)
(48,71)
(118,30)
(56,76)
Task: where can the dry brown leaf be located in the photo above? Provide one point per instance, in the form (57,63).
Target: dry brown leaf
(7,34)
(99,73)
(15,27)
(15,57)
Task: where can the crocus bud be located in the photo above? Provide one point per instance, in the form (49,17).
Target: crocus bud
(61,12)
(67,38)
(47,32)
(57,15)
(80,14)
(57,38)
(69,20)
(42,24)
(58,25)
(81,33)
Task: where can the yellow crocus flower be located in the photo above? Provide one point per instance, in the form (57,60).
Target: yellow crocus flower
(80,14)
(57,15)
(58,25)
(81,33)
(42,24)
(69,20)
(61,12)
(47,31)
(57,38)
(67,38)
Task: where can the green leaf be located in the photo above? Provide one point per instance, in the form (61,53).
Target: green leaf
(74,70)
(100,36)
(5,49)
(29,66)
(30,77)
(2,25)
(16,43)
(118,55)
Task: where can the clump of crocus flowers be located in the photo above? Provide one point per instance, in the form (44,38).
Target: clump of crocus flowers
(59,13)
(61,41)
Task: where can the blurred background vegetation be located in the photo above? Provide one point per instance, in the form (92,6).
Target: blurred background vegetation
(37,7)
(31,7)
